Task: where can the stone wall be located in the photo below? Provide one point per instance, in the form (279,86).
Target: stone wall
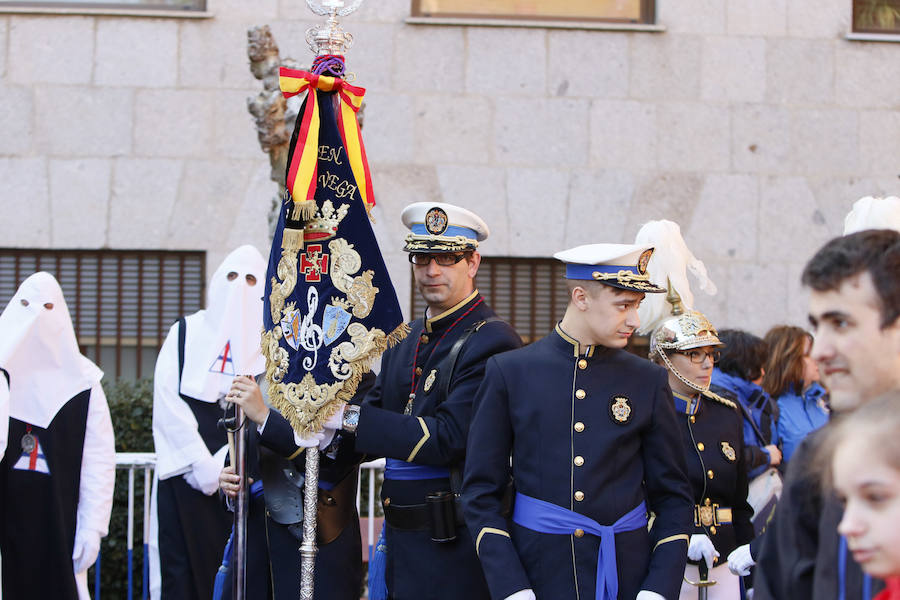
(753,124)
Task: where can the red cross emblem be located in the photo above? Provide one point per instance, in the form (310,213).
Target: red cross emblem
(314,264)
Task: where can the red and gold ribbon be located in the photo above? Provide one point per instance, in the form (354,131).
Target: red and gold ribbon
(302,172)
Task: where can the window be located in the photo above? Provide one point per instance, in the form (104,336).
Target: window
(876,16)
(122,302)
(529,293)
(119,5)
(616,11)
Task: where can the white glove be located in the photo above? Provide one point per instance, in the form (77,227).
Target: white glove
(740,561)
(702,547)
(204,474)
(310,441)
(87,546)
(648,595)
(522,595)
(337,419)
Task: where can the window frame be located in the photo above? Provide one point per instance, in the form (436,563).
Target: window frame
(647,19)
(157,10)
(857,32)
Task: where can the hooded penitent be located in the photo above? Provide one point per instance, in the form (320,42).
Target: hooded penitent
(39,351)
(223,340)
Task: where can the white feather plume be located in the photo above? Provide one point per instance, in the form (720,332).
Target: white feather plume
(873,213)
(671,261)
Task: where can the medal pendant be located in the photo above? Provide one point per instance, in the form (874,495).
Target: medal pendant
(409,405)
(28,442)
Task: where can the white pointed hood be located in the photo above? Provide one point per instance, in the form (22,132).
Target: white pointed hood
(39,351)
(223,340)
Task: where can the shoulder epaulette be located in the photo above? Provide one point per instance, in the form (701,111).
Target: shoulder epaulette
(720,399)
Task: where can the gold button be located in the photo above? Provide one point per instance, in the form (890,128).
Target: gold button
(579,460)
(710,473)
(580,394)
(579,533)
(424,339)
(693,419)
(712,530)
(582,364)
(579,495)
(579,426)
(418,370)
(387,501)
(700,446)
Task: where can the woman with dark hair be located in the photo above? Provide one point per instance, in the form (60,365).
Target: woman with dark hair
(792,378)
(738,375)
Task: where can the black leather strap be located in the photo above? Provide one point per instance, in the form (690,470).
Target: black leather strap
(446,369)
(182,333)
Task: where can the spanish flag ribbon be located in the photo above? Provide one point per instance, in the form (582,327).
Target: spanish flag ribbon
(303,161)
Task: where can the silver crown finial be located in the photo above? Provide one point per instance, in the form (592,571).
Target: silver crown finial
(330,38)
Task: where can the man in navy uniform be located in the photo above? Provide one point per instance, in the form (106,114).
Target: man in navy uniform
(418,413)
(594,446)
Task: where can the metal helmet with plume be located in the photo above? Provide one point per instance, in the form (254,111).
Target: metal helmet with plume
(672,324)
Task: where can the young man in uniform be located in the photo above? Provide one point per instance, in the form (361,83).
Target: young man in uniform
(57,476)
(854,310)
(418,413)
(594,446)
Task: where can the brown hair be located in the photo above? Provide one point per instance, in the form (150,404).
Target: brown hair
(875,251)
(784,365)
(875,424)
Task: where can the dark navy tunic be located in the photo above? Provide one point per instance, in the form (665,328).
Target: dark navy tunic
(590,429)
(273,548)
(38,510)
(434,434)
(800,557)
(193,530)
(712,438)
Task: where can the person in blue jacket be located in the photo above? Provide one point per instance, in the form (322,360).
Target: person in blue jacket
(738,376)
(587,431)
(792,378)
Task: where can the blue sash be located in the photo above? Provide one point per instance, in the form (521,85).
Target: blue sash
(404,471)
(546,517)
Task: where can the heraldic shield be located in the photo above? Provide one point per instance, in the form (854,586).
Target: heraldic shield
(330,306)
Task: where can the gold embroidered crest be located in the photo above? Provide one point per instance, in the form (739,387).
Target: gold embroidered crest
(429,381)
(644,260)
(620,409)
(436,221)
(728,452)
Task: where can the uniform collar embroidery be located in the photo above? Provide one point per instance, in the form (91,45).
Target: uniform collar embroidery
(686,405)
(573,345)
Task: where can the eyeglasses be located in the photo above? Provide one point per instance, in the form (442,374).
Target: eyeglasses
(698,356)
(443,259)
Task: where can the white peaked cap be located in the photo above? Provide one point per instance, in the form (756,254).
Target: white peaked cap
(671,262)
(873,213)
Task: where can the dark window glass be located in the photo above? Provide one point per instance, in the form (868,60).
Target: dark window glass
(122,302)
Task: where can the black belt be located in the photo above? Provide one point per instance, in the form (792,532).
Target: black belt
(414,517)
